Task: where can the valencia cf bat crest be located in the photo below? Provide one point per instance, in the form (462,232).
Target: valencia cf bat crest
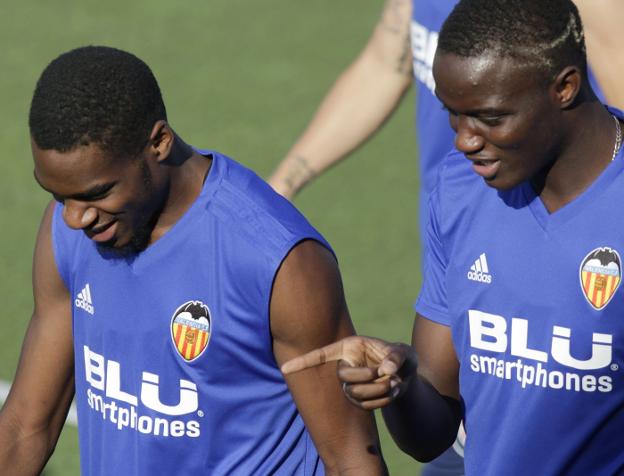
(191,326)
(600,274)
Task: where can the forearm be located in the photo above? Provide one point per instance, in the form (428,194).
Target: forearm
(358,103)
(353,448)
(422,422)
(36,407)
(24,452)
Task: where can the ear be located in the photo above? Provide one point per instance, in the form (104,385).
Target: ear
(161,140)
(567,85)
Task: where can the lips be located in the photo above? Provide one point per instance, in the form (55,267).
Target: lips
(103,233)
(486,168)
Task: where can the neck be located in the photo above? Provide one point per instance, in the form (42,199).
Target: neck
(585,151)
(188,170)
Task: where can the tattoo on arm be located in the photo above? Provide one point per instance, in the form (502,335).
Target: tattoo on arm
(404,61)
(299,174)
(395,21)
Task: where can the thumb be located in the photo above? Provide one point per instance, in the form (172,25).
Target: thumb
(390,365)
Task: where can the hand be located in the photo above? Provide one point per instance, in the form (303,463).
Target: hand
(373,372)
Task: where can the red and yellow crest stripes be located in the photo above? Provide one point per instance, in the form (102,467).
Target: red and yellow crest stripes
(600,274)
(190,329)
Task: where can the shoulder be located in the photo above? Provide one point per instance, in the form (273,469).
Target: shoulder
(254,214)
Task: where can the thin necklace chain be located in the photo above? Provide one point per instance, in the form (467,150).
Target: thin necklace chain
(618,138)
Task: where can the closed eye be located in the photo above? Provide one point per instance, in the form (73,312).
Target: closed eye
(492,120)
(94,194)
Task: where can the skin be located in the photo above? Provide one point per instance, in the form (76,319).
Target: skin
(359,102)
(308,286)
(138,196)
(515,127)
(493,132)
(366,93)
(498,112)
(117,199)
(602,21)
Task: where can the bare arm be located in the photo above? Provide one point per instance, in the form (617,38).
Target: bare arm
(358,103)
(416,386)
(308,310)
(35,410)
(602,20)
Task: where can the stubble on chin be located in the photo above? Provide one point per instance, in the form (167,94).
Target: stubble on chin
(139,242)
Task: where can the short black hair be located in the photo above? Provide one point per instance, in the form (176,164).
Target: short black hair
(546,34)
(95,94)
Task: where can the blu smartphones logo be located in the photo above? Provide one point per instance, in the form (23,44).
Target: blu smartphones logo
(490,332)
(106,396)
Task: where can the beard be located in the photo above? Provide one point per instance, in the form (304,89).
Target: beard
(144,226)
(139,241)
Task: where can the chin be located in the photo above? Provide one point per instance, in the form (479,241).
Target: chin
(126,248)
(501,184)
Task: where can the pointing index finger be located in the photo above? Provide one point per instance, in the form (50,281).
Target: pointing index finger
(314,358)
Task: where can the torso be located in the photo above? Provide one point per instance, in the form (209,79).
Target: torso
(536,323)
(159,393)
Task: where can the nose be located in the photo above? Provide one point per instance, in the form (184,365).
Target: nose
(78,215)
(467,137)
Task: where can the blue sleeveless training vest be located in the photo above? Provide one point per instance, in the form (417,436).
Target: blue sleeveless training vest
(175,372)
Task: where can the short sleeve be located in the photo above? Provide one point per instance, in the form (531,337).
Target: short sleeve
(432,302)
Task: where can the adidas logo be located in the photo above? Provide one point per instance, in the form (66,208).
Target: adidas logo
(479,271)
(83,300)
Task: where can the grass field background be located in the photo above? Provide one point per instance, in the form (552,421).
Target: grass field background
(242,77)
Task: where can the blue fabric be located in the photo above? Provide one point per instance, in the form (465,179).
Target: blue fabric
(541,366)
(448,463)
(143,407)
(434,134)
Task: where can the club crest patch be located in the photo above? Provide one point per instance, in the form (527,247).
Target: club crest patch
(191,326)
(600,274)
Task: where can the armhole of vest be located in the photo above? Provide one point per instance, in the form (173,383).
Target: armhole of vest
(54,238)
(276,267)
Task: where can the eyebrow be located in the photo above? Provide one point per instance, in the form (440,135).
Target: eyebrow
(89,194)
(486,111)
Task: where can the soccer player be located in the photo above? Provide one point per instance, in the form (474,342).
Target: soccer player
(400,49)
(169,285)
(518,327)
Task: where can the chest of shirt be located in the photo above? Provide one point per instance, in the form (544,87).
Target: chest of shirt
(551,296)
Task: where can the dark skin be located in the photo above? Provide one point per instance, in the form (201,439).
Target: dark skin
(514,126)
(154,190)
(112,199)
(536,130)
(308,286)
(416,386)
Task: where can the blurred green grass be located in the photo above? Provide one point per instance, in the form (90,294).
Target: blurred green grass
(242,77)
